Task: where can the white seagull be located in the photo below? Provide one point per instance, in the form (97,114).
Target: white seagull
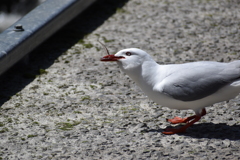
(194,85)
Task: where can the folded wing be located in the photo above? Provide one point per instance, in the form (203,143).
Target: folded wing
(197,80)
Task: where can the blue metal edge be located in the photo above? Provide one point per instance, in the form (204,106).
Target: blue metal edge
(37,26)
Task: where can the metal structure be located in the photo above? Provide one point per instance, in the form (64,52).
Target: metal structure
(38,25)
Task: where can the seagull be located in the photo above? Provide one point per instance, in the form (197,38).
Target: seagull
(193,85)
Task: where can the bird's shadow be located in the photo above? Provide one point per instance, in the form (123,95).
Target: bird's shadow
(209,130)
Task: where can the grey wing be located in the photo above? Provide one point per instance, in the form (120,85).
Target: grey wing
(197,82)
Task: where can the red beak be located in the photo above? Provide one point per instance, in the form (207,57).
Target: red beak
(111,57)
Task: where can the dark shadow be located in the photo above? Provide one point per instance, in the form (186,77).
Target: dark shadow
(217,131)
(210,130)
(44,56)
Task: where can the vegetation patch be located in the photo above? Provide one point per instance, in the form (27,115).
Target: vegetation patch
(31,135)
(1,124)
(77,112)
(88,45)
(107,40)
(87,97)
(119,132)
(93,86)
(42,71)
(121,10)
(4,130)
(35,87)
(65,126)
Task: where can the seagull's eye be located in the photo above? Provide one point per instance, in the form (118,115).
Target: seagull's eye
(128,53)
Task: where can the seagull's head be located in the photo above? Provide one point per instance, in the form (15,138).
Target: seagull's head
(128,59)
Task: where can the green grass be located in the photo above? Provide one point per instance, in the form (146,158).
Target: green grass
(77,112)
(17,105)
(81,41)
(67,62)
(31,136)
(63,86)
(66,126)
(9,120)
(87,45)
(4,130)
(35,87)
(42,71)
(1,124)
(120,132)
(121,10)
(85,98)
(35,123)
(106,40)
(93,86)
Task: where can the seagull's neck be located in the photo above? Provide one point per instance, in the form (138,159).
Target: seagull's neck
(149,72)
(144,74)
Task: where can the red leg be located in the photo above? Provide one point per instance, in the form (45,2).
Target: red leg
(184,120)
(177,120)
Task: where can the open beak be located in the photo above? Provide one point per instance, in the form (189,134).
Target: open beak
(111,57)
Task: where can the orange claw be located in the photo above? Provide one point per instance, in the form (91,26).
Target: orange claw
(183,120)
(177,120)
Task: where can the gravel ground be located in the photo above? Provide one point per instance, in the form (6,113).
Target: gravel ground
(66,104)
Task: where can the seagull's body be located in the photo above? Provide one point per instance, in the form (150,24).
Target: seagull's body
(194,85)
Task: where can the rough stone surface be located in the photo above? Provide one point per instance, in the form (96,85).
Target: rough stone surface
(66,104)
